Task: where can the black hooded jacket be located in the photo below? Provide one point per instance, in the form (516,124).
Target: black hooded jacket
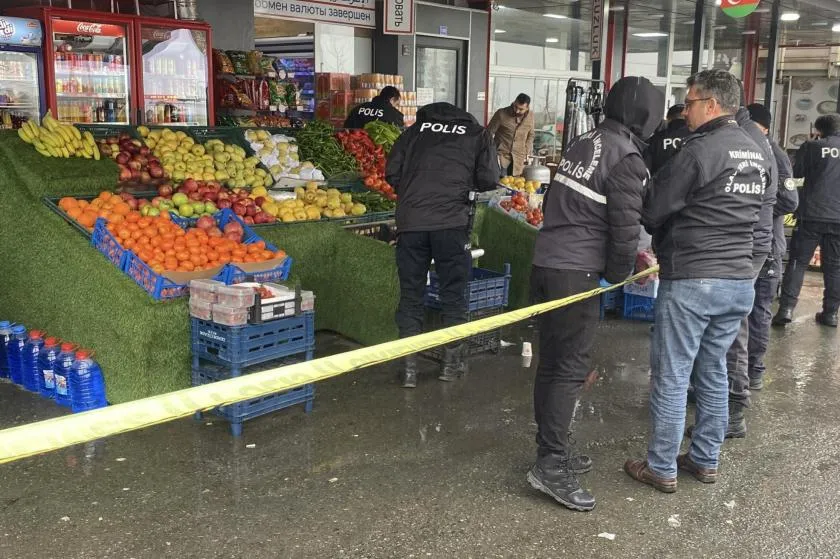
(593,206)
(378,109)
(818,162)
(664,144)
(702,206)
(435,164)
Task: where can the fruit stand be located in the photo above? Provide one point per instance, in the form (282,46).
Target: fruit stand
(61,283)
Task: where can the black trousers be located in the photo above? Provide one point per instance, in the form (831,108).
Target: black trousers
(737,357)
(759,319)
(566,339)
(806,237)
(415,250)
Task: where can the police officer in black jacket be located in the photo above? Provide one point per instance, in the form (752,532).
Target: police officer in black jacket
(817,222)
(787,199)
(665,143)
(591,229)
(383,107)
(433,167)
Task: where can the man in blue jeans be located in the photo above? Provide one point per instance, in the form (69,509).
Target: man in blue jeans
(701,209)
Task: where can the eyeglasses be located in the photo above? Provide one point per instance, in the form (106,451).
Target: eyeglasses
(688,102)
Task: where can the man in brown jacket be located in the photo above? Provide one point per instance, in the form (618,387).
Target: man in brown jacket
(512,129)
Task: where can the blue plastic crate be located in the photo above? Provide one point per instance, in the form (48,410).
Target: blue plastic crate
(486,289)
(611,301)
(255,407)
(637,307)
(243,346)
(107,244)
(480,343)
(234,274)
(157,285)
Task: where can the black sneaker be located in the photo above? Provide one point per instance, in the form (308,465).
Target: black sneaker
(560,484)
(580,463)
(827,319)
(783,317)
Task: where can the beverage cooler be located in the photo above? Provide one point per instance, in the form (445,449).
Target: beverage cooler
(21,71)
(122,69)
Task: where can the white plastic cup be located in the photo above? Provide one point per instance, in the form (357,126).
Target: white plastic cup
(526,349)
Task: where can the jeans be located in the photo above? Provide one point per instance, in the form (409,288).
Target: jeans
(806,237)
(696,322)
(415,251)
(566,338)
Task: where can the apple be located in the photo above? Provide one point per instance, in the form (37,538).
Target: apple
(125,173)
(210,207)
(145,177)
(234,237)
(186,210)
(198,208)
(233,226)
(180,198)
(214,232)
(135,175)
(165,190)
(205,222)
(156,201)
(143,203)
(251,211)
(153,212)
(194,196)
(239,208)
(224,204)
(259,200)
(212,196)
(144,150)
(112,140)
(123,157)
(134,165)
(248,220)
(133,203)
(189,185)
(146,209)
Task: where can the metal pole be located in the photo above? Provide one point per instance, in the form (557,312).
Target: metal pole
(772,52)
(699,33)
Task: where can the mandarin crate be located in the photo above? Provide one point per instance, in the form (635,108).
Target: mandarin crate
(107,244)
(486,289)
(244,346)
(479,343)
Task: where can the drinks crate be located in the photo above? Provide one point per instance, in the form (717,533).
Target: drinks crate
(639,307)
(486,289)
(480,343)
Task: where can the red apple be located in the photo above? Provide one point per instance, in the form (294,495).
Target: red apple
(212,196)
(133,203)
(135,165)
(251,211)
(125,174)
(112,140)
(224,203)
(157,200)
(157,172)
(189,185)
(248,220)
(259,200)
(205,222)
(135,175)
(145,150)
(145,177)
(234,236)
(122,158)
(239,208)
(233,226)
(214,232)
(165,190)
(194,196)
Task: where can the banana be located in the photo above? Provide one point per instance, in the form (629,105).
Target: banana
(53,151)
(66,134)
(88,137)
(49,139)
(33,129)
(76,133)
(43,152)
(49,122)
(39,145)
(24,135)
(96,154)
(87,155)
(64,152)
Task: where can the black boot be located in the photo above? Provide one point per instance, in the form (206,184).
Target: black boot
(453,366)
(737,426)
(827,318)
(578,463)
(756,383)
(409,374)
(553,476)
(783,317)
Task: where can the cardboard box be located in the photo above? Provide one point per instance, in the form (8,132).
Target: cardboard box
(649,289)
(323,110)
(340,104)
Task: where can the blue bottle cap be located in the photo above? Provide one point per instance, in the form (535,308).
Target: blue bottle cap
(5,324)
(19,329)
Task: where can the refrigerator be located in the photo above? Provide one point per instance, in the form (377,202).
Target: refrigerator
(21,71)
(105,68)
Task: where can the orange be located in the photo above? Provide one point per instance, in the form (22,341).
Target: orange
(133,217)
(187,266)
(128,243)
(74,212)
(121,208)
(116,218)
(87,219)
(67,202)
(105,195)
(82,203)
(124,234)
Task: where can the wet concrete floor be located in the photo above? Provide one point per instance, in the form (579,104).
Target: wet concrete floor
(379,471)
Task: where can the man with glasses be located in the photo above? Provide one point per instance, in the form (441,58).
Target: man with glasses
(512,129)
(702,208)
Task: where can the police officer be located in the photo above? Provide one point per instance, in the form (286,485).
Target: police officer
(590,229)
(787,200)
(817,222)
(383,107)
(665,143)
(433,167)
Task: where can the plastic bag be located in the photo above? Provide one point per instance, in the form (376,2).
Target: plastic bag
(239,59)
(223,63)
(267,66)
(644,260)
(252,59)
(275,97)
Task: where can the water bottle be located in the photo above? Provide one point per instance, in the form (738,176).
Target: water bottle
(15,352)
(29,360)
(46,363)
(5,336)
(87,387)
(61,371)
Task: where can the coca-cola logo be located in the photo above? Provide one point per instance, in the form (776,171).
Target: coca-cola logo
(7,28)
(94,28)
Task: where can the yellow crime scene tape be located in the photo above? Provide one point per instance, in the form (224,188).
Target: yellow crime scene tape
(53,434)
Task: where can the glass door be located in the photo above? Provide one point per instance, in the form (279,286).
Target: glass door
(20,96)
(175,76)
(92,80)
(441,68)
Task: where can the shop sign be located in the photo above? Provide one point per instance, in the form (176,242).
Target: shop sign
(20,31)
(738,8)
(358,13)
(597,29)
(399,17)
(87,28)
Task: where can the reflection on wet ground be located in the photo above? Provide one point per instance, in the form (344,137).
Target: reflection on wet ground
(378,471)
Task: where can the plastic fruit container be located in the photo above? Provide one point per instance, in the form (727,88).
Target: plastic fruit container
(204,290)
(230,316)
(201,309)
(307,301)
(236,296)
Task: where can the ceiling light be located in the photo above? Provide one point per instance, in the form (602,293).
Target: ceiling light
(500,31)
(718,2)
(650,34)
(616,8)
(836,28)
(555,16)
(552,40)
(789,16)
(751,32)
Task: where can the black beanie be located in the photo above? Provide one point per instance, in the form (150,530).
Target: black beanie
(759,114)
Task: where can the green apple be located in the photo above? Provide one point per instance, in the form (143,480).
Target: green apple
(179,199)
(210,207)
(198,208)
(186,210)
(153,211)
